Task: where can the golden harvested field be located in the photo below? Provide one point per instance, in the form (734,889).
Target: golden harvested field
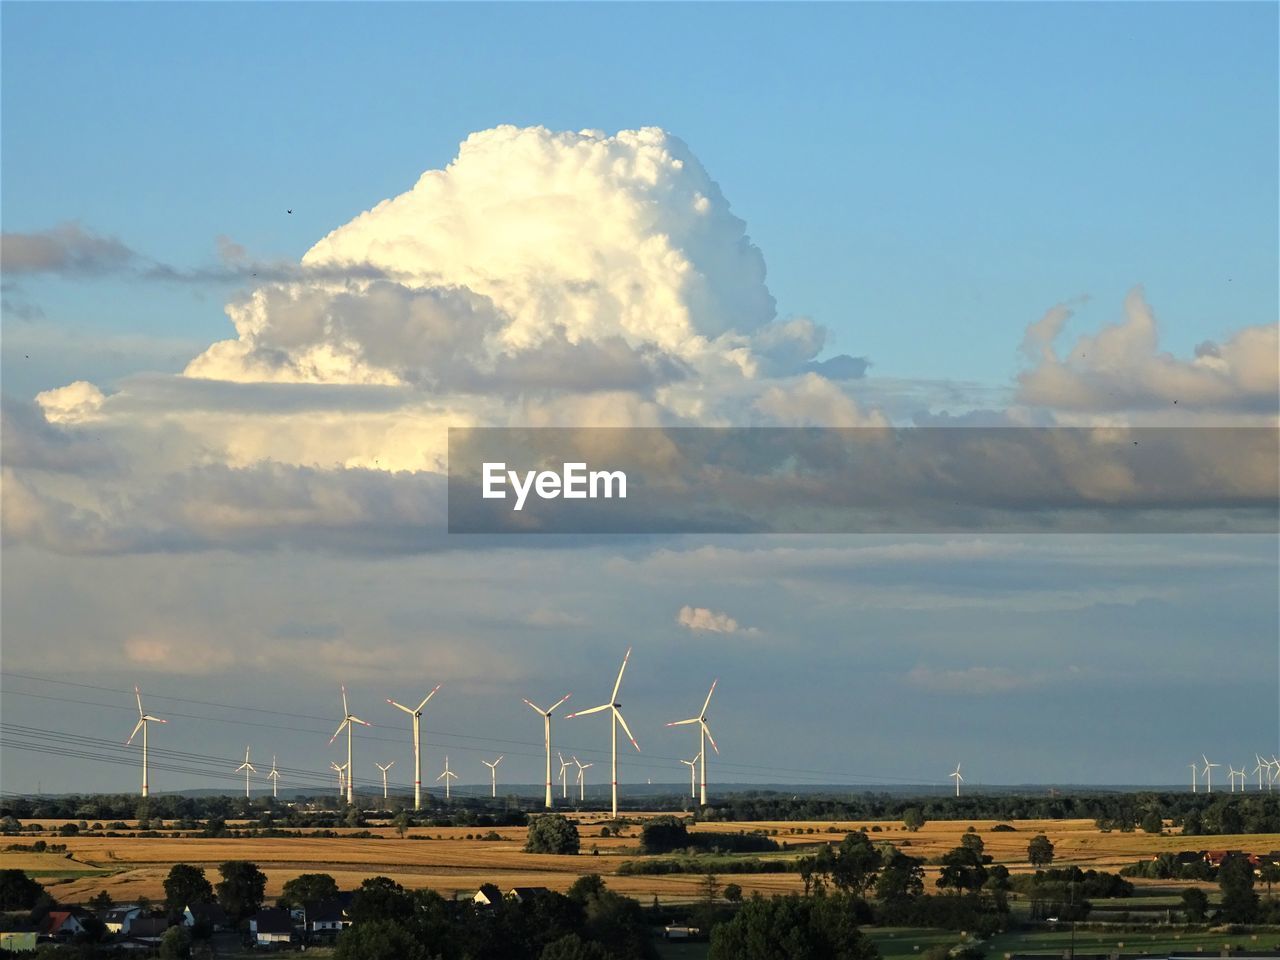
(453,863)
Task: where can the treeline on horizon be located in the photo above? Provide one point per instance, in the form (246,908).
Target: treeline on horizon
(1195,813)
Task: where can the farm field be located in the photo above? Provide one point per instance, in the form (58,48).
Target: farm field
(128,866)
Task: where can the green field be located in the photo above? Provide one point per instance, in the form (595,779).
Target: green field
(899,943)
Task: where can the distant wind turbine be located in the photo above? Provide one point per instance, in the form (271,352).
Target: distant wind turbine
(348,718)
(957,778)
(384,776)
(564,779)
(447,776)
(1194,768)
(704,735)
(341,768)
(143,720)
(615,718)
(274,777)
(693,773)
(546,737)
(247,767)
(493,775)
(582,767)
(1258,770)
(416,713)
(1232,772)
(1208,772)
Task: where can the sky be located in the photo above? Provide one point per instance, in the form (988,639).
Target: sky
(259,257)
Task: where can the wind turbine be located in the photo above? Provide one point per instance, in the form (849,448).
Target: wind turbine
(341,769)
(1275,765)
(582,790)
(693,772)
(416,713)
(247,767)
(348,718)
(274,777)
(616,719)
(493,775)
(564,780)
(704,734)
(1232,772)
(1208,772)
(957,778)
(546,737)
(384,776)
(1258,770)
(143,720)
(1194,768)
(446,777)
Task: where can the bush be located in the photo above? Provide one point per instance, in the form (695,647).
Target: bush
(552,833)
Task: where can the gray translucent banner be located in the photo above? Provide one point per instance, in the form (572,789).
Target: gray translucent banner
(911,480)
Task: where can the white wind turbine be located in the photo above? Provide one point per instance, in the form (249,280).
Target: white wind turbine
(546,737)
(957,778)
(616,718)
(274,777)
(564,779)
(384,775)
(1208,772)
(1275,772)
(582,790)
(416,713)
(348,718)
(1258,770)
(704,734)
(446,777)
(143,720)
(693,773)
(248,768)
(493,775)
(341,769)
(1194,768)
(1232,772)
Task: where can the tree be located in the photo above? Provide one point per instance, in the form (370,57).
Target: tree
(791,928)
(710,887)
(855,864)
(378,940)
(733,893)
(1152,822)
(901,878)
(380,898)
(308,886)
(585,887)
(101,903)
(18,891)
(185,885)
(962,870)
(175,944)
(572,947)
(552,833)
(913,818)
(402,822)
(1270,873)
(1040,851)
(1239,902)
(241,889)
(1195,904)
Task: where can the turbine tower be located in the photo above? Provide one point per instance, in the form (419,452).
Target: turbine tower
(446,777)
(1259,768)
(1232,772)
(957,778)
(274,777)
(704,734)
(143,720)
(582,790)
(493,775)
(546,737)
(384,776)
(348,718)
(247,767)
(416,713)
(1194,768)
(693,773)
(1208,773)
(615,719)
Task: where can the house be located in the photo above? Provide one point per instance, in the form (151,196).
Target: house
(211,916)
(525,894)
(487,895)
(270,927)
(60,925)
(118,918)
(149,930)
(324,917)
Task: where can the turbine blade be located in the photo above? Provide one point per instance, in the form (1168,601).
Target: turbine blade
(138,693)
(136,728)
(358,720)
(401,706)
(341,727)
(540,711)
(710,739)
(427,697)
(621,670)
(618,713)
(709,693)
(583,713)
(558,702)
(681,723)
(345,709)
(499,760)
(154,719)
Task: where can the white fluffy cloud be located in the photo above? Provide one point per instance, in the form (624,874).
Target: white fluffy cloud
(702,620)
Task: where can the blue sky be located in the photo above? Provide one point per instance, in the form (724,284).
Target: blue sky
(943,172)
(924,181)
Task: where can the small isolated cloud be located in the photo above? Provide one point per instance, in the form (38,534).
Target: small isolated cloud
(971,680)
(1121,368)
(67,248)
(700,619)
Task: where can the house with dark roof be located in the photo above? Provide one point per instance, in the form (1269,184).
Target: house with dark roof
(148,930)
(118,918)
(271,926)
(525,894)
(60,925)
(487,896)
(209,915)
(324,917)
